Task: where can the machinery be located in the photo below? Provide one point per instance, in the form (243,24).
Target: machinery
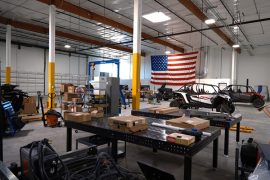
(40,161)
(249,157)
(165,93)
(244,94)
(202,95)
(50,118)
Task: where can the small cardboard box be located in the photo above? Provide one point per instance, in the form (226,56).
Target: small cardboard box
(100,79)
(75,108)
(99,92)
(29,105)
(71,89)
(179,138)
(128,123)
(64,87)
(77,116)
(99,85)
(69,96)
(97,113)
(187,122)
(64,106)
(76,100)
(163,110)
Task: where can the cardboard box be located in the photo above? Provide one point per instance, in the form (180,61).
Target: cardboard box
(163,110)
(64,87)
(69,96)
(74,108)
(99,85)
(97,114)
(187,122)
(100,79)
(128,123)
(77,116)
(77,100)
(29,105)
(179,138)
(99,92)
(71,89)
(64,106)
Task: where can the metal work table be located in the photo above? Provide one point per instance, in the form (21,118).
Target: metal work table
(216,119)
(154,137)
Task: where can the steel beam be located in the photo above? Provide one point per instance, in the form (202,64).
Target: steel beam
(200,15)
(44,30)
(69,7)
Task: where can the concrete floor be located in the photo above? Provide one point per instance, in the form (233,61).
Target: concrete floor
(202,162)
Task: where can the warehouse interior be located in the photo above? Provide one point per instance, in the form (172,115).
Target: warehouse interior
(149,89)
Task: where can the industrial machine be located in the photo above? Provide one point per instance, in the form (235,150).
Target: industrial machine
(165,93)
(40,161)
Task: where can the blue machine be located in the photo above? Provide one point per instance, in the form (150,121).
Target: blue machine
(14,123)
(112,61)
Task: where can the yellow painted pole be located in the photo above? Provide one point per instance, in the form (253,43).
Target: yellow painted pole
(8,54)
(136,86)
(136,58)
(51,64)
(8,81)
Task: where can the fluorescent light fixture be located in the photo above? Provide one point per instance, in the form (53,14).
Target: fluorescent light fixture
(156,17)
(67,46)
(235,27)
(210,21)
(236,45)
(167,52)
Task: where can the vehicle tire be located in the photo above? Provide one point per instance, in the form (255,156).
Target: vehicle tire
(225,107)
(175,103)
(258,102)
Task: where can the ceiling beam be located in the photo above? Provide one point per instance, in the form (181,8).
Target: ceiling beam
(199,14)
(69,7)
(44,30)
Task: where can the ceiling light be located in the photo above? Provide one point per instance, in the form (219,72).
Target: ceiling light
(156,17)
(167,52)
(236,46)
(235,27)
(210,21)
(67,46)
(116,10)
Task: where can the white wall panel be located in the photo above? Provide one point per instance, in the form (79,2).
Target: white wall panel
(255,68)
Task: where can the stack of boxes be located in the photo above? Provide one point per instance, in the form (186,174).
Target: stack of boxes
(99,85)
(72,102)
(70,98)
(29,105)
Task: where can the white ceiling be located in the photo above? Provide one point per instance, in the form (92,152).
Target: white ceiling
(37,13)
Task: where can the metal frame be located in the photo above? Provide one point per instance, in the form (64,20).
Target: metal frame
(218,120)
(152,138)
(112,61)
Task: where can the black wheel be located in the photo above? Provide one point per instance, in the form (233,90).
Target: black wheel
(225,107)
(258,102)
(175,103)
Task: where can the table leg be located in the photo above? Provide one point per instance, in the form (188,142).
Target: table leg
(69,139)
(187,167)
(215,153)
(226,142)
(237,132)
(114,149)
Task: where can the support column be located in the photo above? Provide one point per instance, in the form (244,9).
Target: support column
(136,58)
(8,54)
(233,70)
(51,64)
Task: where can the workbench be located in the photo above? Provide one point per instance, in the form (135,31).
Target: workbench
(154,137)
(216,119)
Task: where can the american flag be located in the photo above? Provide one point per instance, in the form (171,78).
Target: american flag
(174,70)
